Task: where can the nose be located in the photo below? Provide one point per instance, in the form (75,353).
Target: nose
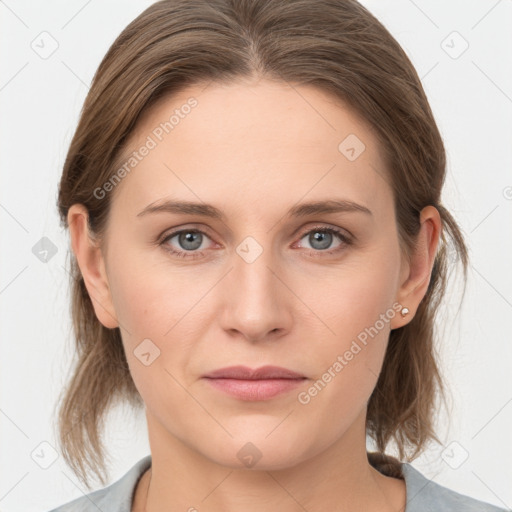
(257,306)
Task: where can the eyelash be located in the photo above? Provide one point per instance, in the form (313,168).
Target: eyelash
(345,239)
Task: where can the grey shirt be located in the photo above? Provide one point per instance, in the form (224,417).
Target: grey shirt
(422,495)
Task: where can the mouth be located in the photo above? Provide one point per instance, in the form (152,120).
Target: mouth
(254,384)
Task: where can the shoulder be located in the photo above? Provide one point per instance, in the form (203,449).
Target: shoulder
(424,495)
(117,497)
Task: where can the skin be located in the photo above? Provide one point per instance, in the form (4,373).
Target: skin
(254,149)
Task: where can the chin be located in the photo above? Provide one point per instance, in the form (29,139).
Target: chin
(257,450)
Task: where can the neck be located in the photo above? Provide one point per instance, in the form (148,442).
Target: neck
(340,478)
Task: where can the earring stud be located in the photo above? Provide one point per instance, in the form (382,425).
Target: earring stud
(404,311)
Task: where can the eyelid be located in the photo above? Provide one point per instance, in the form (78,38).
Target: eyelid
(187,227)
(322,226)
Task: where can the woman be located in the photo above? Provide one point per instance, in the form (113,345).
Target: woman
(259,251)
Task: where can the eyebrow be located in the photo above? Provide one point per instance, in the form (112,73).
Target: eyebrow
(300,210)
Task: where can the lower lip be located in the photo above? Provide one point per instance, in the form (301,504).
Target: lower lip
(253,390)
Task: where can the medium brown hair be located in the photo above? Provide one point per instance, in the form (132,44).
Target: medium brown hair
(337,46)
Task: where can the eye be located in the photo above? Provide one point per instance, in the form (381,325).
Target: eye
(188,242)
(320,239)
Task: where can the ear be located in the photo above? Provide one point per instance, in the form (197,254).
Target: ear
(92,265)
(415,276)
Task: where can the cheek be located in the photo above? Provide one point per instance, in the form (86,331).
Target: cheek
(348,370)
(351,298)
(356,305)
(151,296)
(161,311)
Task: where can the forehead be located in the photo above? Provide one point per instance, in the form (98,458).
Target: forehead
(251,142)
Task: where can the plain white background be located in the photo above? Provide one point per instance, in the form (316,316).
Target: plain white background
(470,91)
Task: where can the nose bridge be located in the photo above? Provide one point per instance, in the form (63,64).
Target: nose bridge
(252,270)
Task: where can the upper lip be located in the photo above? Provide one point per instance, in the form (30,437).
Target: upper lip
(246,373)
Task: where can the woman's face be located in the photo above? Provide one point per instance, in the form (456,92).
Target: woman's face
(255,278)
